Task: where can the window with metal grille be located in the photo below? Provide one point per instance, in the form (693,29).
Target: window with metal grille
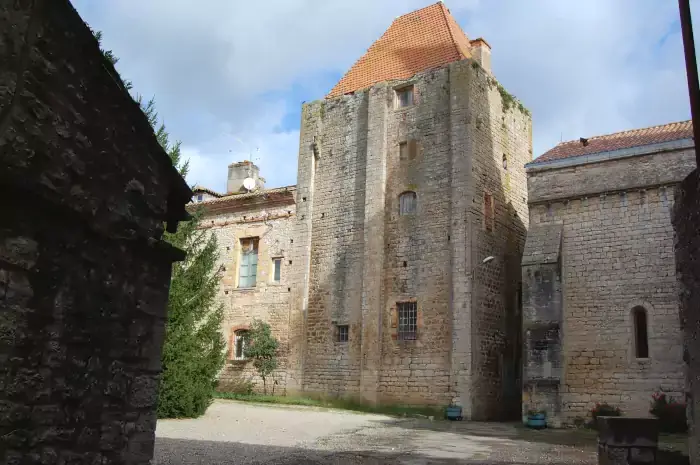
(240,341)
(407,203)
(277,272)
(404,97)
(343,333)
(408,320)
(249,262)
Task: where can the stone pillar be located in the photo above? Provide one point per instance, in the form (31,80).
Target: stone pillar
(685,218)
(373,279)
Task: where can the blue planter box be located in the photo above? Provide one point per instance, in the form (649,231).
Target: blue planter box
(453,413)
(537,421)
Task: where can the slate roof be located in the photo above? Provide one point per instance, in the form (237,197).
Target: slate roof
(424,39)
(619,140)
(543,244)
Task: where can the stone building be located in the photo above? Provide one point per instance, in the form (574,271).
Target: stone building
(254,234)
(410,174)
(600,302)
(84,273)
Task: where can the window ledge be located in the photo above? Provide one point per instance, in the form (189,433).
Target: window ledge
(643,360)
(243,289)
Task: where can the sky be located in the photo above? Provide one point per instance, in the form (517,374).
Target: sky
(229,76)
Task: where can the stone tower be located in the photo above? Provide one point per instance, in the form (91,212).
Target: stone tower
(411,173)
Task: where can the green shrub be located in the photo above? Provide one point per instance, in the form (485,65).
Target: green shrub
(671,414)
(262,350)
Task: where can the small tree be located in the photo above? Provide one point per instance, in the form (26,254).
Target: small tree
(262,349)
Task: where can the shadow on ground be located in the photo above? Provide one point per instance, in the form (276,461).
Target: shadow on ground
(672,448)
(171,451)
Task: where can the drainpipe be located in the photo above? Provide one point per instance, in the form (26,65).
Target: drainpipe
(691,68)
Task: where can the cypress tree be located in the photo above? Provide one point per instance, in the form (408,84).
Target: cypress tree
(193,351)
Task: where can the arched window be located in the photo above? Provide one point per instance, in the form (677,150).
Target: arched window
(240,341)
(641,336)
(407,203)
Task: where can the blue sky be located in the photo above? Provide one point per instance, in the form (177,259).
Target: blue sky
(229,77)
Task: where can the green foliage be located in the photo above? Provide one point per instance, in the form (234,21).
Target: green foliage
(262,347)
(508,100)
(194,347)
(671,413)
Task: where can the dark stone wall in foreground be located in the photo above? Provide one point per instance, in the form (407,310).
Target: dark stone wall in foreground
(686,223)
(84,192)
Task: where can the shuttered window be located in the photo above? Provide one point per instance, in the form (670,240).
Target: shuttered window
(408,202)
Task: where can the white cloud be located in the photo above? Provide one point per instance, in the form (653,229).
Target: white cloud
(583,68)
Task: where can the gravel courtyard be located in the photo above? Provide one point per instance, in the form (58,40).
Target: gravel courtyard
(242,433)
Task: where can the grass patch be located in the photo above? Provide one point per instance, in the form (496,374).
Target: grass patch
(394,410)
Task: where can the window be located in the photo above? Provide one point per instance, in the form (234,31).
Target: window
(249,262)
(505,162)
(240,341)
(641,338)
(404,97)
(408,320)
(403,151)
(200,197)
(408,150)
(277,269)
(488,212)
(407,203)
(343,333)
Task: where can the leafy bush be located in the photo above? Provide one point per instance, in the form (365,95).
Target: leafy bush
(671,413)
(262,349)
(602,410)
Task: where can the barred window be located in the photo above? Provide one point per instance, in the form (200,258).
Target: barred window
(408,320)
(407,203)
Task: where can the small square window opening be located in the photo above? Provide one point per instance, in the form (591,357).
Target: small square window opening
(404,97)
(343,333)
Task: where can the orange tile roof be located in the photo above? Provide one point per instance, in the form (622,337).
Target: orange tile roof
(619,141)
(427,38)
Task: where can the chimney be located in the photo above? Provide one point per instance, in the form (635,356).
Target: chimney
(237,172)
(481,51)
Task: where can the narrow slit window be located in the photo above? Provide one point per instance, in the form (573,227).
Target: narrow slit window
(488,212)
(408,320)
(249,263)
(404,97)
(641,336)
(277,270)
(343,333)
(408,202)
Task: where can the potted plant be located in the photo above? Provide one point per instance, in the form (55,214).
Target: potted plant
(453,412)
(537,418)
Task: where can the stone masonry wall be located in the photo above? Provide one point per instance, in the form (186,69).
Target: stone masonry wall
(617,254)
(84,189)
(499,139)
(351,174)
(686,216)
(268,301)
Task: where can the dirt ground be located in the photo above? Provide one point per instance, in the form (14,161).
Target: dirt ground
(243,433)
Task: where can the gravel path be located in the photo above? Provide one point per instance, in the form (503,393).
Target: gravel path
(241,433)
